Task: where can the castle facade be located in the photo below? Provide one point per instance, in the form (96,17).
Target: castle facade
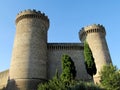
(34,60)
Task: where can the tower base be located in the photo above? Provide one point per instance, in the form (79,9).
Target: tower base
(24,84)
(96,79)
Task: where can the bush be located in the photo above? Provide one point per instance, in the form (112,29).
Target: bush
(110,77)
(66,80)
(73,85)
(54,84)
(85,86)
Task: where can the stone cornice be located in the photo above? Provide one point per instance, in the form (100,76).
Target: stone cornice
(65,46)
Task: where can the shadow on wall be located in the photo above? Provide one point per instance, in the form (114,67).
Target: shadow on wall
(11,85)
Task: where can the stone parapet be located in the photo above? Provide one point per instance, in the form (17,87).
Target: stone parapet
(94,28)
(32,14)
(65,46)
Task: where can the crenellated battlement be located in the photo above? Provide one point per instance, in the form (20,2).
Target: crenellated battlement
(95,36)
(65,46)
(38,60)
(94,26)
(31,14)
(92,29)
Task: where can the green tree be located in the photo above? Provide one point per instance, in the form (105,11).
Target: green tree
(54,84)
(57,84)
(110,77)
(89,60)
(66,78)
(68,69)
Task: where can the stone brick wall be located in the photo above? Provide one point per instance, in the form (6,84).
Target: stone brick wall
(95,36)
(34,60)
(74,50)
(29,56)
(4,79)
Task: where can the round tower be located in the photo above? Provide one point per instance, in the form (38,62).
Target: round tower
(29,57)
(95,36)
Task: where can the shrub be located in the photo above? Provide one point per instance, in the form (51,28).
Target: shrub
(110,77)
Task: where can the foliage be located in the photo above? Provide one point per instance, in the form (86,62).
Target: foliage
(85,86)
(66,80)
(68,69)
(89,60)
(73,85)
(54,84)
(110,77)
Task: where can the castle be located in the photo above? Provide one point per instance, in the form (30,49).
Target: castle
(34,60)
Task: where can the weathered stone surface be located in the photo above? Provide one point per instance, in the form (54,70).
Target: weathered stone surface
(34,60)
(74,50)
(29,57)
(95,36)
(3,79)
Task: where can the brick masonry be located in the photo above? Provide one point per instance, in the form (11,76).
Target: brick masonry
(34,60)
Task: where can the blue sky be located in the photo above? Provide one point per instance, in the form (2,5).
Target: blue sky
(67,17)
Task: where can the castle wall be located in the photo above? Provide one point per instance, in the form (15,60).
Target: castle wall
(74,50)
(34,60)
(3,79)
(55,52)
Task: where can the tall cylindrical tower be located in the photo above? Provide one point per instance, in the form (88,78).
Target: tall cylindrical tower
(95,36)
(29,57)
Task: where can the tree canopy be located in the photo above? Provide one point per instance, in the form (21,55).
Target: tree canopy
(68,69)
(110,77)
(67,81)
(89,60)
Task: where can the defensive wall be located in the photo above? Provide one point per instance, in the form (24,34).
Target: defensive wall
(34,60)
(55,52)
(4,79)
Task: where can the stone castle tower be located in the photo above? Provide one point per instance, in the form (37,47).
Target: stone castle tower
(30,50)
(34,60)
(95,36)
